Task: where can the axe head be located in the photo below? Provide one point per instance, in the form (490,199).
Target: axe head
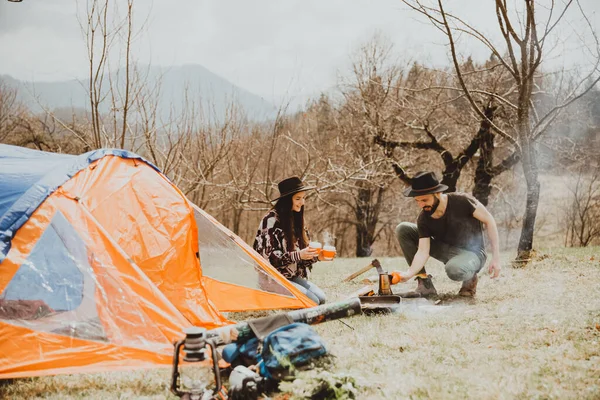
(377,266)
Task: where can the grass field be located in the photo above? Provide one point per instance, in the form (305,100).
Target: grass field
(532,334)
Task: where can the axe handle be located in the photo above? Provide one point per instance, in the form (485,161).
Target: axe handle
(359,272)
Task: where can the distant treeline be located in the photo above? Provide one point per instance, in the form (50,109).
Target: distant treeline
(359,146)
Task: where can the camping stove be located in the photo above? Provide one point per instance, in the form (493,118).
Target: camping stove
(385,299)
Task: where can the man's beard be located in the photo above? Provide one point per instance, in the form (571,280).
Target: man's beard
(436,203)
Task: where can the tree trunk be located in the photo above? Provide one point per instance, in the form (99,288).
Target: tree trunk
(482,141)
(237,220)
(450,177)
(363,239)
(483,172)
(367,216)
(530,169)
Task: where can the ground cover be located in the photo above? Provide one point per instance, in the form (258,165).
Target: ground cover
(532,334)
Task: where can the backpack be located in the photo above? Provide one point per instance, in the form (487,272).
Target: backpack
(281,352)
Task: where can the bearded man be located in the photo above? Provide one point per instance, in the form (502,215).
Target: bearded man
(449,229)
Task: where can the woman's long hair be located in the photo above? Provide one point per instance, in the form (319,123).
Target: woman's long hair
(292,223)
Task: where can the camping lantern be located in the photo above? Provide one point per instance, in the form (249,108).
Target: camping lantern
(195,345)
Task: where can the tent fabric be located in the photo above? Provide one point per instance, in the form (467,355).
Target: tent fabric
(112,315)
(150,221)
(101,265)
(235,276)
(30,176)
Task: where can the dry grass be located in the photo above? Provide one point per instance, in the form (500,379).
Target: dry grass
(151,384)
(532,334)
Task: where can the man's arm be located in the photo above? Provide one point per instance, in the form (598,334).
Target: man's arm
(418,263)
(483,215)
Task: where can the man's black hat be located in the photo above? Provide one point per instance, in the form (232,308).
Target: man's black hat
(424,183)
(290,186)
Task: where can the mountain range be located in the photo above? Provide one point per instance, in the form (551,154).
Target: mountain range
(191,83)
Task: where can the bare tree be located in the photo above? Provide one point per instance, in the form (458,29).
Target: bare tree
(417,115)
(322,146)
(114,94)
(9,111)
(209,144)
(95,28)
(525,37)
(582,218)
(354,175)
(243,169)
(35,132)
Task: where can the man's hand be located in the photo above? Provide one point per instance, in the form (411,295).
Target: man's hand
(494,268)
(397,277)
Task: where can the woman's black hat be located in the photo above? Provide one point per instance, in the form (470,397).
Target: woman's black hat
(290,186)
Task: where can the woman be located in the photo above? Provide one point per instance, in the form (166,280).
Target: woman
(283,240)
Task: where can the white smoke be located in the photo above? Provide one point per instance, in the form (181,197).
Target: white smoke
(328,239)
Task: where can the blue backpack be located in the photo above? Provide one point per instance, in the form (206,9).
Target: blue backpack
(281,352)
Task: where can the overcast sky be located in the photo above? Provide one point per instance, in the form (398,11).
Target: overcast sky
(273,48)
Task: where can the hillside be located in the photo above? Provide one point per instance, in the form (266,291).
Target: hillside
(192,82)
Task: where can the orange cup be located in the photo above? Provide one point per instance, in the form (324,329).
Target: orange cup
(316,246)
(329,253)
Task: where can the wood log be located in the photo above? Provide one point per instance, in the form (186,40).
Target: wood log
(242,332)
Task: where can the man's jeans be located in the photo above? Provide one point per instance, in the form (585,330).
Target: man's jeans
(461,264)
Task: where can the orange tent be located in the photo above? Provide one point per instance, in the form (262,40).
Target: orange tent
(237,278)
(100,265)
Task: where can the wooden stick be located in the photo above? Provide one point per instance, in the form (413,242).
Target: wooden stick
(359,272)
